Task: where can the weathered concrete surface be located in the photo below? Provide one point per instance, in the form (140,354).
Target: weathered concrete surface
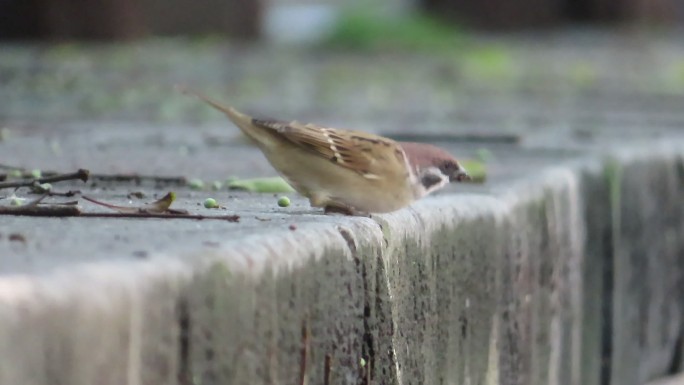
(458,289)
(565,268)
(246,312)
(648,267)
(109,323)
(674,380)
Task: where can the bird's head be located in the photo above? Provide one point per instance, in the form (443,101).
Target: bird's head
(432,166)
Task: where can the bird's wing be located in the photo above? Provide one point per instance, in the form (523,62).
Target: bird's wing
(372,156)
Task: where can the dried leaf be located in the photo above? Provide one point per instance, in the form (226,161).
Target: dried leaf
(161,206)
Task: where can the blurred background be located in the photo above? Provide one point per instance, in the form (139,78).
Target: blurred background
(384,65)
(299,19)
(90,83)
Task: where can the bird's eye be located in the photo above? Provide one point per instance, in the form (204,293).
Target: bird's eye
(448,166)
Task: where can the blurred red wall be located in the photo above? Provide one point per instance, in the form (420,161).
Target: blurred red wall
(125,19)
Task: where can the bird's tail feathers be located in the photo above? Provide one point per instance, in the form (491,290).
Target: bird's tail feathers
(243,121)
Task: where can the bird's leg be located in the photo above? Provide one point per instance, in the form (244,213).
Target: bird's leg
(330,206)
(344,210)
(338,210)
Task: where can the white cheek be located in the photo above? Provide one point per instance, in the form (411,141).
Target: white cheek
(434,174)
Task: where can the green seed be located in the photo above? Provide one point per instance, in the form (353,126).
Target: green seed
(284,201)
(216,185)
(210,203)
(196,184)
(15,173)
(16,201)
(44,187)
(36,173)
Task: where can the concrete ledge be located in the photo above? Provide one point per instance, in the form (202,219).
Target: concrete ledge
(674,380)
(571,276)
(107,323)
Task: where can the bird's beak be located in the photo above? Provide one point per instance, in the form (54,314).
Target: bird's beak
(459,176)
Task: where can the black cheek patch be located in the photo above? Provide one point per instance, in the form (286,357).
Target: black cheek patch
(430,180)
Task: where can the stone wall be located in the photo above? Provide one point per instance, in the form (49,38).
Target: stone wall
(572,276)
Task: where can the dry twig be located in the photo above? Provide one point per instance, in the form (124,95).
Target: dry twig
(81,174)
(157,209)
(41,211)
(33,209)
(229,218)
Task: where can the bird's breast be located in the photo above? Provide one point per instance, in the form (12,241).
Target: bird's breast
(330,183)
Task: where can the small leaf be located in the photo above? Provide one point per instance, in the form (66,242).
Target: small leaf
(16,201)
(262,185)
(162,205)
(476,169)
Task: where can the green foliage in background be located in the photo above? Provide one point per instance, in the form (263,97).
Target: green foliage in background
(482,62)
(363,30)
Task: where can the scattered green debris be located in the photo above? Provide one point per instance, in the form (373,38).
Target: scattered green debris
(211,203)
(262,185)
(5,134)
(15,173)
(68,51)
(196,184)
(490,62)
(41,188)
(221,272)
(284,202)
(360,29)
(476,169)
(36,173)
(676,77)
(583,74)
(679,71)
(16,201)
(484,155)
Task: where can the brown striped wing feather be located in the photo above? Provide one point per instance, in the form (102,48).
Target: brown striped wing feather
(370,155)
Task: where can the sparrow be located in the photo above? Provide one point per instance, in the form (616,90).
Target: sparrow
(345,171)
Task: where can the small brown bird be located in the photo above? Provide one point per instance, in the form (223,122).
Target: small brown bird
(345,171)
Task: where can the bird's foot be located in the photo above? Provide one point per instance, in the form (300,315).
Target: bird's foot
(344,210)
